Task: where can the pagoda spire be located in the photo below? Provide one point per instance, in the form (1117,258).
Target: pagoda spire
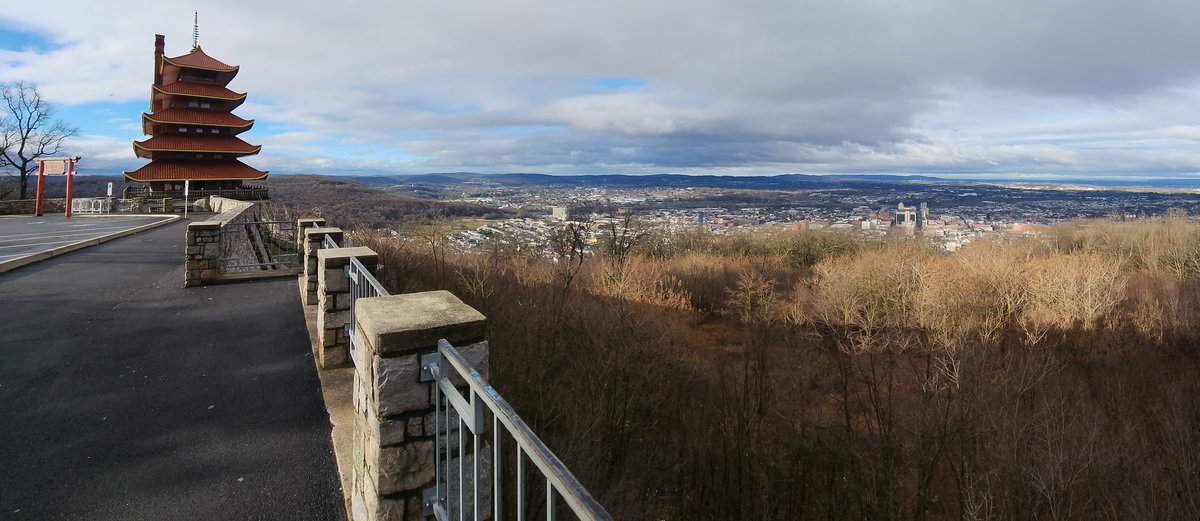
(195,29)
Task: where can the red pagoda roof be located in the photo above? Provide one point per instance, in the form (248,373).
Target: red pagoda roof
(200,90)
(182,116)
(197,143)
(197,59)
(166,170)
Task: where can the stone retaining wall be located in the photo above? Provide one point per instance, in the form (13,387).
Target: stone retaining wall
(203,242)
(203,250)
(222,204)
(29,206)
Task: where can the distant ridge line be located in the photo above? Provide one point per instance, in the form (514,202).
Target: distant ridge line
(760,182)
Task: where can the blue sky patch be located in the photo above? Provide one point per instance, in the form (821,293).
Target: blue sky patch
(118,120)
(610,84)
(16,40)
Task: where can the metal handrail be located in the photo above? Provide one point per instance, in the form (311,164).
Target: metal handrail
(470,415)
(362,285)
(248,244)
(245,193)
(91,205)
(376,288)
(328,242)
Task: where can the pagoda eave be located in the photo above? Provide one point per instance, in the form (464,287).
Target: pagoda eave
(142,151)
(173,61)
(185,117)
(195,118)
(197,91)
(165,170)
(198,59)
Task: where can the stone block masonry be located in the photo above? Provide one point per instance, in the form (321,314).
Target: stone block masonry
(333,301)
(203,252)
(306,222)
(313,239)
(203,242)
(28,206)
(393,446)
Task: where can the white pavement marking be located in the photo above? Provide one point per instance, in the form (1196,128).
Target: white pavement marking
(3,237)
(37,240)
(61,233)
(36,244)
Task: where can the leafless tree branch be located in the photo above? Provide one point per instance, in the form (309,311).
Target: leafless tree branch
(28,131)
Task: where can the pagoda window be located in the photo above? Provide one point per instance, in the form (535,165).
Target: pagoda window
(218,156)
(193,74)
(215,131)
(199,156)
(205,105)
(193,104)
(199,130)
(183,129)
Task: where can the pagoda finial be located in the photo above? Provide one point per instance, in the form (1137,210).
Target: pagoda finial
(195,29)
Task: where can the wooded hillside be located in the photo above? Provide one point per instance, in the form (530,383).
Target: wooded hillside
(351,204)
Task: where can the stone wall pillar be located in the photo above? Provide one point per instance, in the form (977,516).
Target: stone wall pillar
(333,301)
(313,238)
(393,449)
(306,222)
(203,253)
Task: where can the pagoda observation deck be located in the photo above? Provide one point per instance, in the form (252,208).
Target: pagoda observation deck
(194,135)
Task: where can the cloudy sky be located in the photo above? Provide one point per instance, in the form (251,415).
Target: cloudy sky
(990,88)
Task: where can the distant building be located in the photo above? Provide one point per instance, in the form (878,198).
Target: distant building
(558,212)
(193,131)
(911,216)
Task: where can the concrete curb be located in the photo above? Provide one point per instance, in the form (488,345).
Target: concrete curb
(13,264)
(337,389)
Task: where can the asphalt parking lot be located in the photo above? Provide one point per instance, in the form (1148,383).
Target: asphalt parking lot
(24,235)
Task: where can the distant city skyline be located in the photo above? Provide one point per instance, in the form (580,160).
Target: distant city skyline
(1052,89)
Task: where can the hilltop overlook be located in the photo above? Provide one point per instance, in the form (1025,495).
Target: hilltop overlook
(805,370)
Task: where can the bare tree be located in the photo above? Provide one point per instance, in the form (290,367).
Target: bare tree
(28,131)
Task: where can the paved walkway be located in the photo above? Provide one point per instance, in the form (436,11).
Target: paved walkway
(125,396)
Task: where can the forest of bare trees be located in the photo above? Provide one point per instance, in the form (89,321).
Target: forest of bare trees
(798,375)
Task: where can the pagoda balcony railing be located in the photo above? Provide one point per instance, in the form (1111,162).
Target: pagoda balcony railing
(245,193)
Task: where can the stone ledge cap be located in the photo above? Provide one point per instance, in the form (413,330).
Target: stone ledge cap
(204,224)
(335,257)
(322,230)
(415,321)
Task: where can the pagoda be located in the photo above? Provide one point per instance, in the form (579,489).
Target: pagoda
(193,131)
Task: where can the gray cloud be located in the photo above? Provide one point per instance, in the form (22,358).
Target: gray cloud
(1096,87)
